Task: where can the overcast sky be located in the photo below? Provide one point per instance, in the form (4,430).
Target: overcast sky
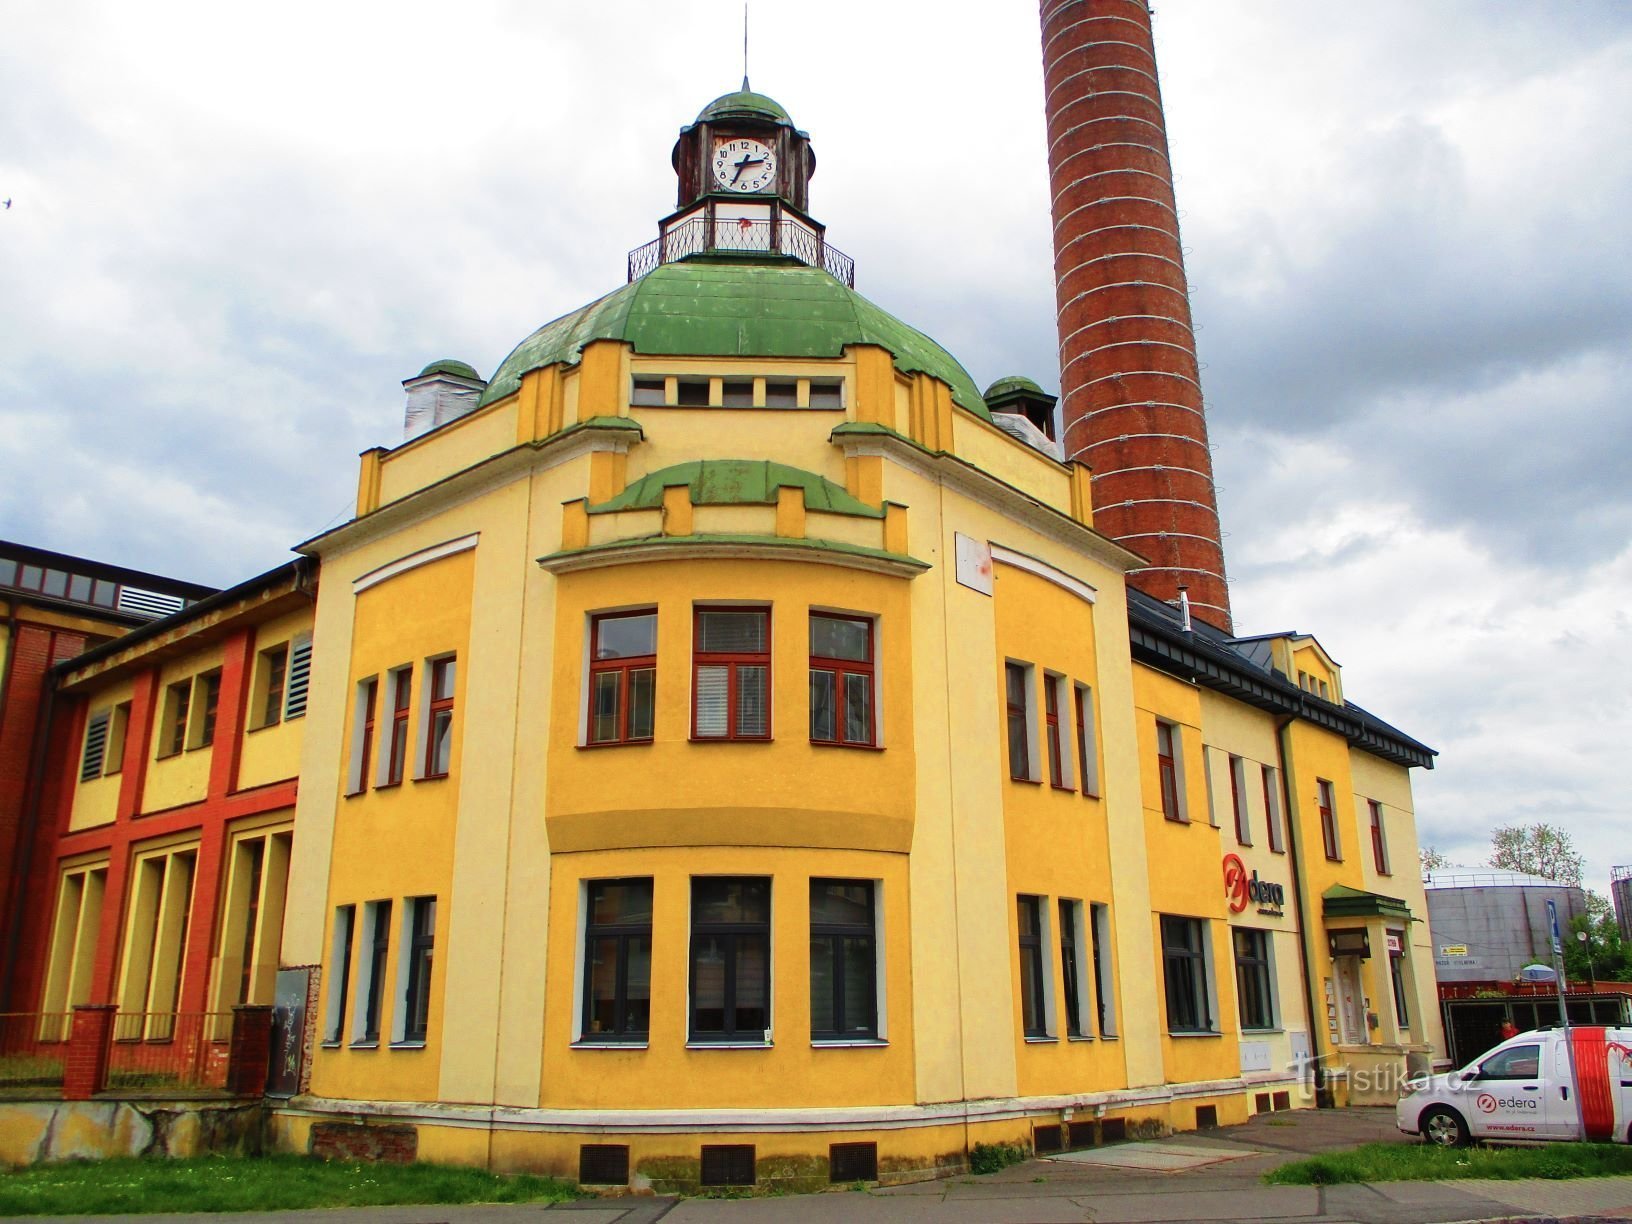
(235,230)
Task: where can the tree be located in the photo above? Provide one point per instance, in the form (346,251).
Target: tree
(1432,860)
(1538,849)
(1602,956)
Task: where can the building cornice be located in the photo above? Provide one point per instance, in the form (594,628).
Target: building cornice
(734,548)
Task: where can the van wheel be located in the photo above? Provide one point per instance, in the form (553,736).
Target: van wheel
(1443,1127)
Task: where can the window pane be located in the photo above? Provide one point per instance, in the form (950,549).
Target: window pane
(442,679)
(638,989)
(826,395)
(8,572)
(753,984)
(604,724)
(56,583)
(712,690)
(105,594)
(693,392)
(441,755)
(603,986)
(842,902)
(822,713)
(858,709)
(753,708)
(1030,1015)
(823,986)
(833,637)
(721,900)
(858,984)
(624,637)
(79,587)
(781,393)
(621,901)
(738,393)
(708,985)
(642,702)
(732,632)
(1015,676)
(647,391)
(30,577)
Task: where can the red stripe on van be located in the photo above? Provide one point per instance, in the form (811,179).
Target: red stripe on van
(1591,1048)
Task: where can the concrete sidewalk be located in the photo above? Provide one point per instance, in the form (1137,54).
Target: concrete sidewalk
(1208,1176)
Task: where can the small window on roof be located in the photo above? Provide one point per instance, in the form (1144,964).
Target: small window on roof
(648,391)
(826,393)
(781,393)
(693,393)
(738,393)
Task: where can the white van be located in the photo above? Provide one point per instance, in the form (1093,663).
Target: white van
(1522,1092)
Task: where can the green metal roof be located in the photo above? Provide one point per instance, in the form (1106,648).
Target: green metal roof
(1011,384)
(1341,901)
(765,307)
(744,102)
(737,482)
(450,366)
(793,547)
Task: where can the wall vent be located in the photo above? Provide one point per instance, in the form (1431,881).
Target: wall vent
(852,1162)
(727,1164)
(603,1164)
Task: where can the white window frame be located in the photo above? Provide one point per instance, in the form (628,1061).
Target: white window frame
(1086,738)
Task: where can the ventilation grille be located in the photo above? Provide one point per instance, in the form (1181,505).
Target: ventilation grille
(300,675)
(727,1164)
(852,1162)
(1082,1134)
(96,746)
(1113,1130)
(1206,1117)
(603,1164)
(148,603)
(1047,1138)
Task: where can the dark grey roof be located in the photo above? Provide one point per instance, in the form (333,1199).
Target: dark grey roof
(1239,668)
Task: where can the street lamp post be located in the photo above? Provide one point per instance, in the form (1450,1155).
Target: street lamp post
(1592,972)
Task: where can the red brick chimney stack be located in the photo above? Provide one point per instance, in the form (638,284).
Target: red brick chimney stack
(1128,374)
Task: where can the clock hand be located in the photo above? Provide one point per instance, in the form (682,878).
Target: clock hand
(744,164)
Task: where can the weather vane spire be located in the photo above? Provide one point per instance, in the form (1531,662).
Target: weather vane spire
(744,46)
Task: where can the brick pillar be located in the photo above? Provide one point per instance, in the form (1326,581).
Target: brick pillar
(250,1051)
(1129,379)
(85,1069)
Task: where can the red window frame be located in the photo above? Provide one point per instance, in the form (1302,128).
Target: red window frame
(371,695)
(1238,806)
(625,665)
(277,673)
(1328,820)
(441,673)
(1018,717)
(1051,728)
(1379,853)
(733,662)
(841,668)
(1167,772)
(212,707)
(178,703)
(402,688)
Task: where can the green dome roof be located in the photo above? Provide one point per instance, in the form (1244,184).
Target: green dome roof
(735,308)
(449,366)
(1011,384)
(744,102)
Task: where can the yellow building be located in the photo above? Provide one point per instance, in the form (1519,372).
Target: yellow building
(733,757)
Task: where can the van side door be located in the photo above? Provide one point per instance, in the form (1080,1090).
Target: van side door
(1563,1112)
(1506,1098)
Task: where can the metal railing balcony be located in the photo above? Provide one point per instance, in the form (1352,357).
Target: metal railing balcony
(698,236)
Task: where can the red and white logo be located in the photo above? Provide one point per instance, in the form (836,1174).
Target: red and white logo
(1486,1103)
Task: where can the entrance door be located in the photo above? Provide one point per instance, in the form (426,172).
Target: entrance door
(1351,1001)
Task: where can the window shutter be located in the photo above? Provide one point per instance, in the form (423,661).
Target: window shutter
(300,672)
(96,745)
(753,717)
(713,684)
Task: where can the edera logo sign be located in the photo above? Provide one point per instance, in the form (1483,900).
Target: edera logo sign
(1486,1103)
(1241,887)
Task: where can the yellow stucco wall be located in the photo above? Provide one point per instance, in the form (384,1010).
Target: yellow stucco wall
(95,799)
(183,777)
(271,751)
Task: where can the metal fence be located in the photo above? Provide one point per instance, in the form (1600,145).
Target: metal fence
(697,236)
(33,1047)
(166,1052)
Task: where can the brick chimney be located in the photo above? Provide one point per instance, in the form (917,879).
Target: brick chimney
(1131,388)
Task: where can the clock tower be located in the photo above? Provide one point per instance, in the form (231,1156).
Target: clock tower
(743,173)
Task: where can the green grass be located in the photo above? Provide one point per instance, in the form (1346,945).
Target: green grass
(1377,1162)
(272,1183)
(990,1157)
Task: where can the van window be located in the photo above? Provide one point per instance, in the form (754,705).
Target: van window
(1522,1062)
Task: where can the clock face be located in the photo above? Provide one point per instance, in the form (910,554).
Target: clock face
(744,165)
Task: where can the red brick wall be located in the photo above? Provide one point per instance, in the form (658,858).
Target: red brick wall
(349,1141)
(1129,379)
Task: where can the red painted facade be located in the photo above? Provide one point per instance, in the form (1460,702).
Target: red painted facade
(1129,379)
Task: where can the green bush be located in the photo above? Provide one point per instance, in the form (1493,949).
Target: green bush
(990,1157)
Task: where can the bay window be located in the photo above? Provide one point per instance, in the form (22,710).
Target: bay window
(731,674)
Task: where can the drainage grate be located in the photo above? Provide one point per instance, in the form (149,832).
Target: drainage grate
(727,1164)
(603,1164)
(852,1162)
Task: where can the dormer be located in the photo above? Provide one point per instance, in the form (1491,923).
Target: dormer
(1301,659)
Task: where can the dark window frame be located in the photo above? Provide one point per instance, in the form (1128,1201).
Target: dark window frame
(1379,838)
(1396,975)
(1184,975)
(379,949)
(1167,771)
(275,663)
(1033,1001)
(1018,719)
(837,935)
(1254,978)
(1070,913)
(1326,803)
(441,673)
(365,747)
(178,700)
(421,953)
(1238,801)
(623,932)
(349,912)
(397,747)
(1051,731)
(733,937)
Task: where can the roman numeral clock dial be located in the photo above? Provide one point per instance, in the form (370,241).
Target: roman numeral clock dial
(744,165)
